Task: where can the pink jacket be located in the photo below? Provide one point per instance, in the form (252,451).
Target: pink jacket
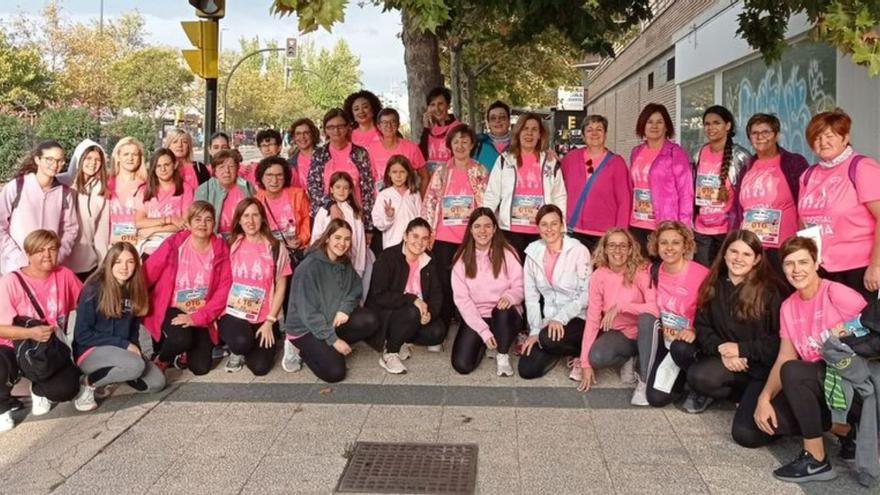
(161,271)
(37,209)
(672,183)
(476,297)
(609,201)
(608,290)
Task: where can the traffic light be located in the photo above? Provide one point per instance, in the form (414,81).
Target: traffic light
(203,61)
(209,9)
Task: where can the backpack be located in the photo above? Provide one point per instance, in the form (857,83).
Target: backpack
(19,186)
(38,361)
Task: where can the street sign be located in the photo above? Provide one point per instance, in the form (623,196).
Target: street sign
(570,98)
(291,47)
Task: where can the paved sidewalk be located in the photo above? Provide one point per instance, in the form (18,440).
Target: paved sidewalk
(288,433)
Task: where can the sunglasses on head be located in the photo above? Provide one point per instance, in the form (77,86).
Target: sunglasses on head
(590,166)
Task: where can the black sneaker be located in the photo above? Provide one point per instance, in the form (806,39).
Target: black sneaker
(696,403)
(847,451)
(805,468)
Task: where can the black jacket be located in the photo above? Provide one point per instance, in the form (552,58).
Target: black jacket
(94,329)
(758,341)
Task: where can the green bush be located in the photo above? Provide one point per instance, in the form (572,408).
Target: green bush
(68,126)
(142,128)
(12,144)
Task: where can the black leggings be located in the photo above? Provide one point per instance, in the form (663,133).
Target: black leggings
(468,349)
(708,376)
(194,341)
(241,337)
(708,247)
(60,387)
(325,361)
(546,352)
(520,241)
(405,325)
(855,280)
(652,352)
(443,252)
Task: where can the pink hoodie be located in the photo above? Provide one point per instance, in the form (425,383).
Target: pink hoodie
(476,297)
(608,290)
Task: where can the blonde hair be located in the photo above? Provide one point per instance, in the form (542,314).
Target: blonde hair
(39,239)
(172,136)
(199,207)
(117,150)
(634,261)
(683,230)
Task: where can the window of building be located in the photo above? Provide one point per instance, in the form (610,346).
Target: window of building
(670,69)
(650,81)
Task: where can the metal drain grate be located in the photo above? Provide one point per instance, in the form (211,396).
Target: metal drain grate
(410,468)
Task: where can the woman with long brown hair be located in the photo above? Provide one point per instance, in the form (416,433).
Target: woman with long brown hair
(108,316)
(160,204)
(487,287)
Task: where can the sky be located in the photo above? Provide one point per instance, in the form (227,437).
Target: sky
(371,34)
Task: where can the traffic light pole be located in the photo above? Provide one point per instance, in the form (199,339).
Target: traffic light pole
(210,115)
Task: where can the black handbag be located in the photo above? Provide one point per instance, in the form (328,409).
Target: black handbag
(38,361)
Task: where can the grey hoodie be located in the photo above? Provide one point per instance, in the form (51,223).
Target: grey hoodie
(92,213)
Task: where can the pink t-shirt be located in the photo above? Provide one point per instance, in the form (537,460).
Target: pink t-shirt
(596,161)
(365,138)
(550,259)
(712,216)
(165,204)
(188,171)
(643,206)
(303,163)
(253,279)
(280,215)
(528,196)
(438,153)
(455,206)
(768,205)
(831,202)
(379,156)
(677,295)
(807,324)
(193,277)
(122,204)
(414,279)
(340,161)
(57,295)
(233,197)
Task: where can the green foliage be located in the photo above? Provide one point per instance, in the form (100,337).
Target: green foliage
(68,126)
(312,13)
(849,25)
(25,82)
(152,91)
(12,144)
(144,129)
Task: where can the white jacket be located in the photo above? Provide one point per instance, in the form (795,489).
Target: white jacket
(358,239)
(93,214)
(566,298)
(502,184)
(406,208)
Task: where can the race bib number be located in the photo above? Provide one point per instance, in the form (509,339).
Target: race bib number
(433,165)
(457,209)
(707,190)
(764,223)
(190,300)
(524,207)
(245,302)
(643,208)
(673,321)
(124,231)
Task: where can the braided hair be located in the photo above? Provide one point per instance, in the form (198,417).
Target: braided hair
(727,117)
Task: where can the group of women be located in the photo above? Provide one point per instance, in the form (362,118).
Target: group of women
(666,266)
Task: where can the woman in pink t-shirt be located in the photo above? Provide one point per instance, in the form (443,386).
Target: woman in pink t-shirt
(792,402)
(127,174)
(436,124)
(55,289)
(194,173)
(841,196)
(664,341)
(619,292)
(306,137)
(161,203)
(260,270)
(393,143)
(363,109)
(718,168)
(769,189)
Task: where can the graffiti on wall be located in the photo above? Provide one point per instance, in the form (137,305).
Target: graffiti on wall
(696,97)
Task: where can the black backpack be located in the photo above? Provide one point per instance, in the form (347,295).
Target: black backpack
(38,361)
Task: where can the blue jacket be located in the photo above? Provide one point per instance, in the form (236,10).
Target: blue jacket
(485,152)
(94,329)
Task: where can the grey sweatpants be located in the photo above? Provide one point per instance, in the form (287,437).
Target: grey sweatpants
(110,364)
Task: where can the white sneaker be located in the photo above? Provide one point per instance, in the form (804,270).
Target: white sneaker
(291,362)
(576,373)
(85,401)
(628,372)
(502,364)
(234,363)
(405,352)
(6,422)
(392,363)
(640,397)
(435,348)
(39,404)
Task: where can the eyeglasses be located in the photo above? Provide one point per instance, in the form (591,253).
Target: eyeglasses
(590,166)
(386,123)
(52,160)
(273,176)
(332,128)
(761,134)
(613,246)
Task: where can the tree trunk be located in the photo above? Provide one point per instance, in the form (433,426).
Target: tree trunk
(455,78)
(421,55)
(471,89)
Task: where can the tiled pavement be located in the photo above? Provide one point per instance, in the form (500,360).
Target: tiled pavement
(288,433)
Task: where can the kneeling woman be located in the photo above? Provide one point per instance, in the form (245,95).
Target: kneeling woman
(405,292)
(260,268)
(323,318)
(557,269)
(793,400)
(108,317)
(189,280)
(45,291)
(487,284)
(677,280)
(737,327)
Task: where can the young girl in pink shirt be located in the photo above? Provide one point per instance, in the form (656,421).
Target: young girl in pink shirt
(161,203)
(487,287)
